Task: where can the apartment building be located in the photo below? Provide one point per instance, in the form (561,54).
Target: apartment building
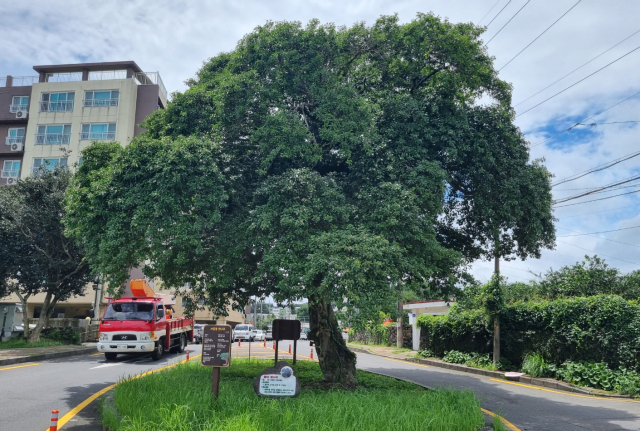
(47,119)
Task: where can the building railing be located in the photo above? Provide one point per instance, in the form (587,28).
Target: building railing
(9,174)
(103,75)
(150,78)
(95,103)
(63,77)
(97,136)
(53,138)
(66,105)
(16,108)
(15,140)
(19,81)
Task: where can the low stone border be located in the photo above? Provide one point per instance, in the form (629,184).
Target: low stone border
(545,383)
(45,356)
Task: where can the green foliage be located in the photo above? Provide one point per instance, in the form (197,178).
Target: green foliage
(599,376)
(66,335)
(590,277)
(476,360)
(493,296)
(378,403)
(535,365)
(426,353)
(600,328)
(21,343)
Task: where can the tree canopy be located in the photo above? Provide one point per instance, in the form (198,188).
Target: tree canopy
(329,163)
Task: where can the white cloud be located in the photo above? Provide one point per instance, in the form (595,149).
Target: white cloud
(176,37)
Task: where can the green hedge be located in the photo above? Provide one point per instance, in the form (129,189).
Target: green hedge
(602,328)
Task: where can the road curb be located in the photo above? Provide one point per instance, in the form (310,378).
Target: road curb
(543,383)
(45,356)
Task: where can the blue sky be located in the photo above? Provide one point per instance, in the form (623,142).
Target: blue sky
(175,37)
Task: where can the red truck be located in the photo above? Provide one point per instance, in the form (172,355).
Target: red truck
(142,323)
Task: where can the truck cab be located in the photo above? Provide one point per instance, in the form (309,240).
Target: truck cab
(139,324)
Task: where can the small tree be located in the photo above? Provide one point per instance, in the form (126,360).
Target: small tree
(37,256)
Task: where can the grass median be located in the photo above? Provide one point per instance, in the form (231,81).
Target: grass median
(180,399)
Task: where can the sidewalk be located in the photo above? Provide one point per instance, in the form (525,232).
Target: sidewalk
(16,356)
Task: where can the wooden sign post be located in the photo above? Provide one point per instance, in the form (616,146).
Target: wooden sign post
(216,351)
(286,330)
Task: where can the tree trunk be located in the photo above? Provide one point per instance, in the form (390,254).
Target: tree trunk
(25,315)
(496,323)
(47,309)
(337,362)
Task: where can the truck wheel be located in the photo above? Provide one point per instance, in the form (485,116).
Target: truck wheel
(158,351)
(110,356)
(183,343)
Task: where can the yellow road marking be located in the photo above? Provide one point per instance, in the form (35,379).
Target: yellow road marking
(77,409)
(96,354)
(506,423)
(405,362)
(566,393)
(18,366)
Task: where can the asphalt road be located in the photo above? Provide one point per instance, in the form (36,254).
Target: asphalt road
(29,393)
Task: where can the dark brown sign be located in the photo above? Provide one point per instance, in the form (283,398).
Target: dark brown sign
(216,346)
(286,329)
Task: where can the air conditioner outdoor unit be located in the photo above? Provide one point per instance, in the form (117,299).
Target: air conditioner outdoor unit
(12,181)
(16,147)
(21,114)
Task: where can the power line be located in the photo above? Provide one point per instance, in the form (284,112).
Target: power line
(530,43)
(601,199)
(599,237)
(599,212)
(591,251)
(596,190)
(499,13)
(576,69)
(598,168)
(578,82)
(508,21)
(611,122)
(603,231)
(543,141)
(485,15)
(591,188)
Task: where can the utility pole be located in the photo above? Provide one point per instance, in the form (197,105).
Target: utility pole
(496,320)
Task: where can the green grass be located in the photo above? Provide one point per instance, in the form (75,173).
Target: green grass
(401,350)
(498,425)
(180,399)
(21,344)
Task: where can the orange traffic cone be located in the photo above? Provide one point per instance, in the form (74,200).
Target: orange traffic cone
(239,342)
(311,356)
(274,345)
(264,344)
(187,355)
(289,348)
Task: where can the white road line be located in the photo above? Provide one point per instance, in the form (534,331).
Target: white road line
(106,365)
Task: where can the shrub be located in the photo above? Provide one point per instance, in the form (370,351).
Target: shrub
(600,376)
(535,365)
(426,353)
(65,335)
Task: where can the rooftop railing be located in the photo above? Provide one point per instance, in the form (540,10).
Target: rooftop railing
(150,78)
(103,75)
(18,81)
(63,77)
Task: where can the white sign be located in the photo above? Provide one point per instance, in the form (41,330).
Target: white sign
(276,385)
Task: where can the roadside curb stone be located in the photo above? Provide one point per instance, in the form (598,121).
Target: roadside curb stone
(45,356)
(533,381)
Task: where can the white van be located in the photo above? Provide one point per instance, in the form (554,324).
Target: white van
(244,331)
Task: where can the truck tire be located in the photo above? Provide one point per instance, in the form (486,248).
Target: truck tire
(110,356)
(183,343)
(158,352)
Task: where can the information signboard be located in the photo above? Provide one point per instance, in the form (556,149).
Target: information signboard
(276,385)
(216,346)
(286,329)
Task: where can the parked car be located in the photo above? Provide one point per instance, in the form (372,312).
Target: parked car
(303,335)
(244,332)
(260,335)
(197,332)
(268,335)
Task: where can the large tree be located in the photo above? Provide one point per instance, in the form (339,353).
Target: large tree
(37,257)
(340,165)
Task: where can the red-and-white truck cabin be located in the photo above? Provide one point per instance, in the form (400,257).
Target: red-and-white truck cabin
(140,324)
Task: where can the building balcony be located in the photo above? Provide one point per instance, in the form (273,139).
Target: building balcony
(96,103)
(14,140)
(15,108)
(65,106)
(98,136)
(9,174)
(53,138)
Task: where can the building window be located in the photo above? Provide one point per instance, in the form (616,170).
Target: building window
(53,134)
(48,164)
(19,103)
(57,102)
(16,136)
(11,169)
(98,132)
(101,98)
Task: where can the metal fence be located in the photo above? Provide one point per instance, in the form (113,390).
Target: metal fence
(97,136)
(95,103)
(63,77)
(9,174)
(150,78)
(103,75)
(63,106)
(53,138)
